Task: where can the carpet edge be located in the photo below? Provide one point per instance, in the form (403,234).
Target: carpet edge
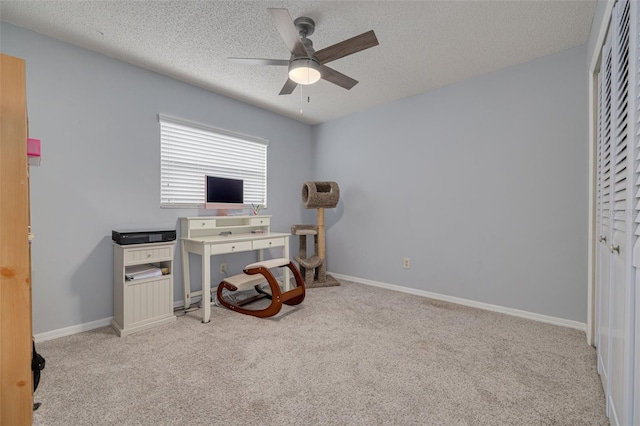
(471,303)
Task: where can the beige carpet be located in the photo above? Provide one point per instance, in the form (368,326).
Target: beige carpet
(349,355)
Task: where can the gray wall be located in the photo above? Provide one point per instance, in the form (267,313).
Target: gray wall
(98,121)
(483,184)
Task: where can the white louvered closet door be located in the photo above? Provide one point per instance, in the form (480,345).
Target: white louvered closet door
(603,280)
(620,247)
(618,195)
(634,296)
(617,199)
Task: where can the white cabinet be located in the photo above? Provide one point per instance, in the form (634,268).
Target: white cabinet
(142,303)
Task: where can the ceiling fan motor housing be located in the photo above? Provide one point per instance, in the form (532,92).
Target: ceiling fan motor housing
(305,26)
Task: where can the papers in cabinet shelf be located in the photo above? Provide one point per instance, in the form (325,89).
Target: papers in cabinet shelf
(140,272)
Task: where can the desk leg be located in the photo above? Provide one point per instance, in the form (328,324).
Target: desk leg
(186,280)
(206,283)
(285,254)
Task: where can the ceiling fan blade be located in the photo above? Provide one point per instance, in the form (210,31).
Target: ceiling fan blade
(347,47)
(336,77)
(259,61)
(283,22)
(288,87)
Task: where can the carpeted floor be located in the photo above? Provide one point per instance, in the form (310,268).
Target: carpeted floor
(349,355)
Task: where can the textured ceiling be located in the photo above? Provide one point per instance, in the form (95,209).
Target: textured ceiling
(423,44)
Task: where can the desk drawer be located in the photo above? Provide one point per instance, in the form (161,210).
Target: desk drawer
(202,224)
(230,247)
(268,243)
(147,255)
(259,221)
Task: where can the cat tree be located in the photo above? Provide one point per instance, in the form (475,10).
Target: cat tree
(316,195)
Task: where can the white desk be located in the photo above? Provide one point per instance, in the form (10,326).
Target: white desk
(201,235)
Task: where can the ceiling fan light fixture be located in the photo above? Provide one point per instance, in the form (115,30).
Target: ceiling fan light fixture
(304,71)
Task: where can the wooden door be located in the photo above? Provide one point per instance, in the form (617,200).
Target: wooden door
(16,380)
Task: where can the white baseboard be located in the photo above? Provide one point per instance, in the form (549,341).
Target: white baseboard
(472,303)
(87,326)
(180,303)
(67,331)
(74,329)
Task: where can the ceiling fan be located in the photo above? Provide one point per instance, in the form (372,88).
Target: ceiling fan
(306,66)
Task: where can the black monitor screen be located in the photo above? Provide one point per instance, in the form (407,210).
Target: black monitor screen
(224,190)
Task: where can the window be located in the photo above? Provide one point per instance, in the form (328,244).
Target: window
(189,151)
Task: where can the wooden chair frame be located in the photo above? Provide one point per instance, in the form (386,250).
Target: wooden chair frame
(291,297)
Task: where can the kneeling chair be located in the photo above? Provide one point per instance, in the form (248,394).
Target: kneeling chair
(254,275)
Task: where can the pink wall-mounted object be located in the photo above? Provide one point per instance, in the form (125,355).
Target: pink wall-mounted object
(33,151)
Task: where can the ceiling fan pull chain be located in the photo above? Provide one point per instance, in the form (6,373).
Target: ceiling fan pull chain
(300,99)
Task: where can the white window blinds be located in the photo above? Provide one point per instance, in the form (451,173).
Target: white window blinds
(189,151)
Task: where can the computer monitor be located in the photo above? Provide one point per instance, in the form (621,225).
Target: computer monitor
(223,194)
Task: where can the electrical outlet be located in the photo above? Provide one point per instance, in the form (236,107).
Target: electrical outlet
(223,268)
(406,263)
